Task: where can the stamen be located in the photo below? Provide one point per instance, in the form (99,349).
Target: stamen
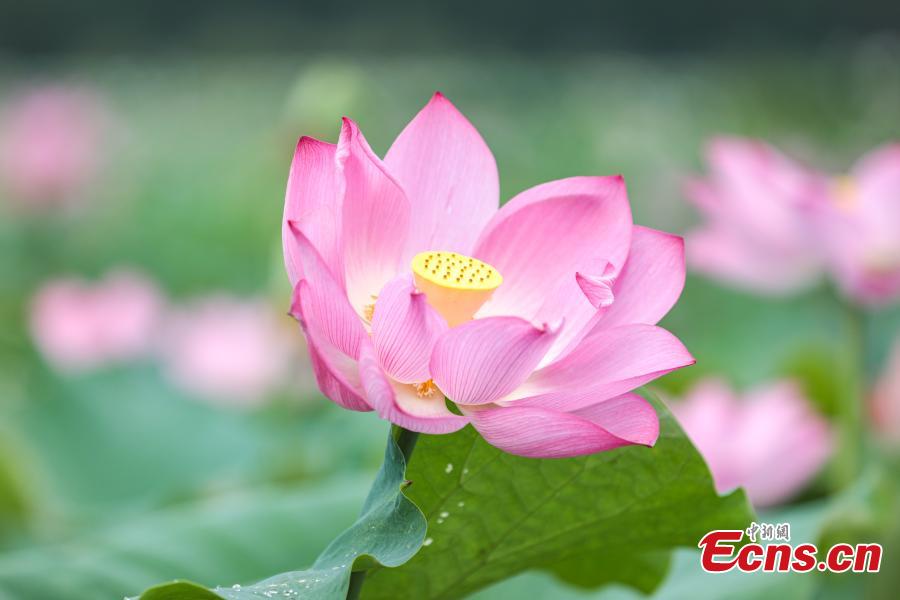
(369,309)
(426,389)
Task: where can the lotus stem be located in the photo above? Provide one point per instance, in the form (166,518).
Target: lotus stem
(406,441)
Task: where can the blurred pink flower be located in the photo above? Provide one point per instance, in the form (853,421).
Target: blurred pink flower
(858,222)
(78,325)
(51,142)
(537,319)
(226,350)
(755,233)
(886,399)
(770,441)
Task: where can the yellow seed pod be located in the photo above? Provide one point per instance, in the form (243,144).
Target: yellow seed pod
(456,285)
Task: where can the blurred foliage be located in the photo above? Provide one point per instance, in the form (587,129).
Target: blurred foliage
(408,26)
(238,535)
(388,532)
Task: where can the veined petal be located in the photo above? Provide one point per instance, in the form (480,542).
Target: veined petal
(584,300)
(400,404)
(598,289)
(337,374)
(313,202)
(569,299)
(607,363)
(543,236)
(375,218)
(545,433)
(485,359)
(651,280)
(404,331)
(628,416)
(322,305)
(449,175)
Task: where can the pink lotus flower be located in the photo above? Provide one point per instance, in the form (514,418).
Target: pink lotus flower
(536,320)
(756,234)
(885,406)
(858,222)
(78,325)
(226,350)
(50,144)
(771,441)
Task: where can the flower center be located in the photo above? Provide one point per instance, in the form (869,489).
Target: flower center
(369,309)
(426,389)
(844,192)
(456,285)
